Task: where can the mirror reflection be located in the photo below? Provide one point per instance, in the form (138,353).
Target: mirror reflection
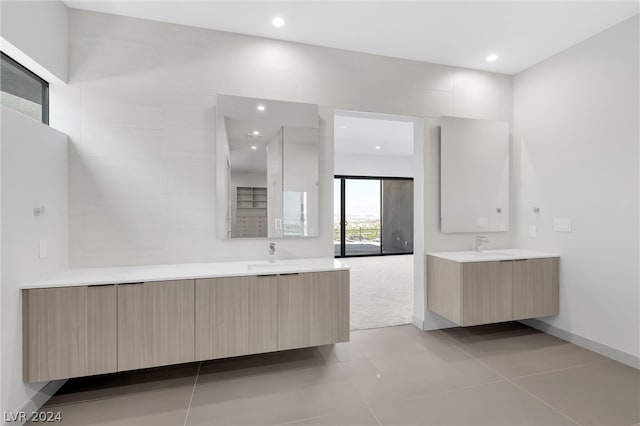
(268,151)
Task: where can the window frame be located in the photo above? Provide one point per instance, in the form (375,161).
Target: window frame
(343,228)
(44,83)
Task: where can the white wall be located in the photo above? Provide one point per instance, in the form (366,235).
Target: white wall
(576,142)
(140,115)
(33,173)
(142,137)
(35,34)
(373,165)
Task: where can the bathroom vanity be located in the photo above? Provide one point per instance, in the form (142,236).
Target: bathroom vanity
(84,322)
(472,288)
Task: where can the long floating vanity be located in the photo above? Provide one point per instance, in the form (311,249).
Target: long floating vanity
(83,322)
(472,288)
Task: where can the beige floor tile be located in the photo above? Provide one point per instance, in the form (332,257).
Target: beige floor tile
(340,352)
(125,383)
(159,407)
(486,333)
(515,352)
(274,407)
(356,417)
(493,404)
(421,374)
(386,341)
(435,344)
(606,393)
(263,381)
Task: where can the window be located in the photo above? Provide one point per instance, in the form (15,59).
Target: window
(373,216)
(23,91)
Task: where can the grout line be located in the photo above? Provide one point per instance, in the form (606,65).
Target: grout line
(193,391)
(430,394)
(545,403)
(559,369)
(373,413)
(527,392)
(365,402)
(511,380)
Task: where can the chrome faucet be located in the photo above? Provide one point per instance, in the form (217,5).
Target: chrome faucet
(480,239)
(272,252)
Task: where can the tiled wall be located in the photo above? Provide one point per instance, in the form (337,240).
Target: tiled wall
(140,112)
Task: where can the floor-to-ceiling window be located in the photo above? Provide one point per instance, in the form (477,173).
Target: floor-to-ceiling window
(373,216)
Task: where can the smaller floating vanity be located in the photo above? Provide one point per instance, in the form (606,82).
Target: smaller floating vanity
(84,322)
(472,288)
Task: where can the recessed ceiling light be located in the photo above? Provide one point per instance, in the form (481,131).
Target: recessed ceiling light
(491,57)
(254,147)
(256,133)
(278,22)
(260,107)
(378,146)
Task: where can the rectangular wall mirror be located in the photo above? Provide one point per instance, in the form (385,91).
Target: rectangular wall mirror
(474,175)
(267,157)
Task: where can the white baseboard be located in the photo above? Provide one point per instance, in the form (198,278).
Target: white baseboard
(608,351)
(417,322)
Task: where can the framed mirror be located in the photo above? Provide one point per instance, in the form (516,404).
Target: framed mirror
(474,175)
(267,158)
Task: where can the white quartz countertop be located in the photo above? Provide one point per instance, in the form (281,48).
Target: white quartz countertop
(491,255)
(182,271)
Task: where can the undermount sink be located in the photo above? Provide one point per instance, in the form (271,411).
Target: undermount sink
(271,265)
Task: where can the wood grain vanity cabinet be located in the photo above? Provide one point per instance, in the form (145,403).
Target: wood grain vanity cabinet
(487,292)
(155,324)
(86,330)
(473,293)
(313,309)
(236,316)
(265,313)
(535,288)
(69,332)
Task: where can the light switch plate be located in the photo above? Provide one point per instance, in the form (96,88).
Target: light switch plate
(533,231)
(42,249)
(562,225)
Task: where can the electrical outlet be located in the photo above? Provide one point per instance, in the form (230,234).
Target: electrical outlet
(562,225)
(533,231)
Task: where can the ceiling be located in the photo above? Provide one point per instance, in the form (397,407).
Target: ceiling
(360,133)
(458,33)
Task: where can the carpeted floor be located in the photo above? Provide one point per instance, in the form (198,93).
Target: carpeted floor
(381,291)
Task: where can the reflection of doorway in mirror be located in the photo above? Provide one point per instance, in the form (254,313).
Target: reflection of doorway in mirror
(295,214)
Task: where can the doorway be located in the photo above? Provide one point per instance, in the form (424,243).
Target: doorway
(374,209)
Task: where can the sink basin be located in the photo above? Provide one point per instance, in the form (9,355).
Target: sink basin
(491,253)
(271,265)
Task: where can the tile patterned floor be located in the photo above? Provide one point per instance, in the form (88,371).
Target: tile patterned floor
(504,374)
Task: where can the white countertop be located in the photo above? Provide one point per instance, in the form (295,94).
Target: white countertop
(491,255)
(182,271)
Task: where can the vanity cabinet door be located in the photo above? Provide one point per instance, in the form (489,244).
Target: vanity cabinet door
(535,288)
(155,324)
(487,292)
(263,314)
(236,316)
(68,332)
(313,309)
(102,329)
